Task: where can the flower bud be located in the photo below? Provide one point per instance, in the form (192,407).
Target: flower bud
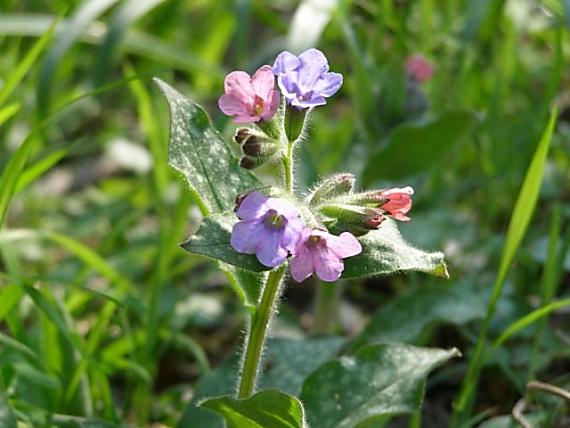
(257,147)
(331,187)
(351,218)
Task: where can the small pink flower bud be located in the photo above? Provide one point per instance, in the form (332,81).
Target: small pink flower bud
(418,68)
(398,202)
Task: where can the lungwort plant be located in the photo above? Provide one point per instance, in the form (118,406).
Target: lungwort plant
(261,234)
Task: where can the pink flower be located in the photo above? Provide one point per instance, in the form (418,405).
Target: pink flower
(419,69)
(322,253)
(398,202)
(250,99)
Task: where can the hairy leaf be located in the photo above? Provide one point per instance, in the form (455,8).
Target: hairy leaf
(198,152)
(269,408)
(213,240)
(386,252)
(287,363)
(378,380)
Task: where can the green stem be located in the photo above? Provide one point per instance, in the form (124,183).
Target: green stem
(257,332)
(327,300)
(288,168)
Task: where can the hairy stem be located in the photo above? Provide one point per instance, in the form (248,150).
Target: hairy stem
(260,321)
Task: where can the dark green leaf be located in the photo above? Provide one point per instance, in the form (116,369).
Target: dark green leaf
(404,318)
(378,380)
(287,363)
(413,148)
(269,408)
(198,151)
(213,240)
(386,252)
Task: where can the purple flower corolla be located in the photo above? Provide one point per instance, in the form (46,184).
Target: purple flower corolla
(305,81)
(322,253)
(269,228)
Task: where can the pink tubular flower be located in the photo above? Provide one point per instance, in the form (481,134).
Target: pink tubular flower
(419,69)
(398,202)
(322,253)
(250,99)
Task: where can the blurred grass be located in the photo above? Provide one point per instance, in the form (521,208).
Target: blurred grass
(126,321)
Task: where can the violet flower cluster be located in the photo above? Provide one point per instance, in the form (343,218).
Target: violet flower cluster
(273,228)
(304,81)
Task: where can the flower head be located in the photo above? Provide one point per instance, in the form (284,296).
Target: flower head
(305,80)
(269,228)
(398,202)
(250,99)
(322,253)
(418,68)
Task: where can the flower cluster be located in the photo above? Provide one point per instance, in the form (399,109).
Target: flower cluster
(304,81)
(273,228)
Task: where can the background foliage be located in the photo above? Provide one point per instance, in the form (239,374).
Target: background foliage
(103,317)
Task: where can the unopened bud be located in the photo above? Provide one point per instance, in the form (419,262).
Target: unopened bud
(351,218)
(332,187)
(257,147)
(248,163)
(241,135)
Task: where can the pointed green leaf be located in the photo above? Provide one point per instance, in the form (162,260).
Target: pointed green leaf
(198,151)
(413,148)
(269,408)
(213,240)
(384,252)
(378,380)
(287,363)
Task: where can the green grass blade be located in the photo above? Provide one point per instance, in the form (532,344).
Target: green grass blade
(8,111)
(520,219)
(135,42)
(12,172)
(528,319)
(35,171)
(82,18)
(128,12)
(16,75)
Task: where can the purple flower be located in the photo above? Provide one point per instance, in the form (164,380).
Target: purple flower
(270,228)
(304,80)
(322,253)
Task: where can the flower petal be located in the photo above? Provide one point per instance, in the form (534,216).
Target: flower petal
(263,82)
(238,84)
(271,105)
(328,84)
(269,251)
(230,105)
(302,265)
(328,265)
(313,65)
(285,62)
(253,206)
(313,102)
(292,233)
(345,245)
(283,207)
(246,236)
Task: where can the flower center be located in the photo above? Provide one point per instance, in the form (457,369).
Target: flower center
(258,106)
(314,240)
(274,220)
